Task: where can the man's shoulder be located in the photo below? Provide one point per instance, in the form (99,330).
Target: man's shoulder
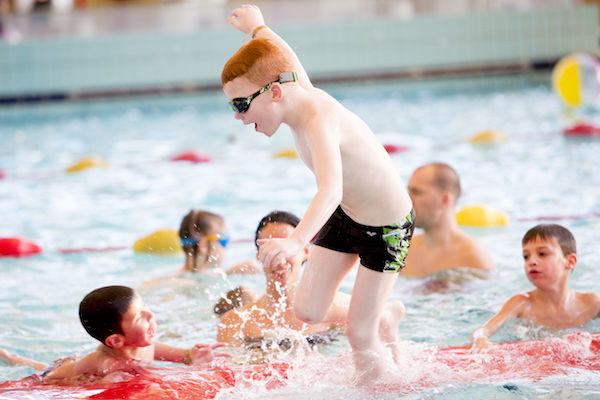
(474,252)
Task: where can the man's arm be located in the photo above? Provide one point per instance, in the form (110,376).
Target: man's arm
(248,18)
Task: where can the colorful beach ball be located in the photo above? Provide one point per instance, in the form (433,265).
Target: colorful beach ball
(576,79)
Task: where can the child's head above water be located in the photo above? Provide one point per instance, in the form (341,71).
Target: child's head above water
(548,232)
(275,217)
(203,238)
(102,310)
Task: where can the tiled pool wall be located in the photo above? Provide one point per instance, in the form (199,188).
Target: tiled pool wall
(130,62)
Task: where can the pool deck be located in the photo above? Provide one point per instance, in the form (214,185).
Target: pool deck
(181,46)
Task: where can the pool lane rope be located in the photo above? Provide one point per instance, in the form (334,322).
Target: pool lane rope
(94,161)
(160,242)
(166,241)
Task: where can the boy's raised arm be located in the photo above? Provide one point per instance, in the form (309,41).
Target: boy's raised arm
(249,20)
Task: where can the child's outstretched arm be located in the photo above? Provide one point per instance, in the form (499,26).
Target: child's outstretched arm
(511,309)
(249,20)
(16,359)
(199,354)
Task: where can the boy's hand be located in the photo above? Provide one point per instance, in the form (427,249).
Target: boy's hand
(203,353)
(246,18)
(277,253)
(481,344)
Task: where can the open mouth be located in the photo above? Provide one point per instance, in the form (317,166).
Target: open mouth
(151,331)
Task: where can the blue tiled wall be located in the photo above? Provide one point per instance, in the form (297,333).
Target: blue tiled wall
(327,50)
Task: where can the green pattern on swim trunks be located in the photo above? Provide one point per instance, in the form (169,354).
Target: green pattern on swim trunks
(397,237)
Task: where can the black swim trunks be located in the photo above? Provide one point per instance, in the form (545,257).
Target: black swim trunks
(380,248)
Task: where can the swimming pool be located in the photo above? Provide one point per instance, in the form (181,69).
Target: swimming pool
(538,172)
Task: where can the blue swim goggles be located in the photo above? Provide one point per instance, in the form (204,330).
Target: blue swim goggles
(242,104)
(222,238)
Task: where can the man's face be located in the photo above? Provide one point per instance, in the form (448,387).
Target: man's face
(425,196)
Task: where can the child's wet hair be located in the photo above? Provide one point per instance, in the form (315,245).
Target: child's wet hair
(281,217)
(197,224)
(102,310)
(563,236)
(260,61)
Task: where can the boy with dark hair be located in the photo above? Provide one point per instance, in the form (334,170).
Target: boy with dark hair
(550,256)
(116,316)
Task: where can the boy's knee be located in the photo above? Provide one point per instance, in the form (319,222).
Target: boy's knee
(305,314)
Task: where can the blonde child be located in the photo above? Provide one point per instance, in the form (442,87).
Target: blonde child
(550,256)
(361,210)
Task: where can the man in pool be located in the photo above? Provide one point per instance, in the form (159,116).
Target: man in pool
(550,256)
(361,210)
(116,316)
(434,190)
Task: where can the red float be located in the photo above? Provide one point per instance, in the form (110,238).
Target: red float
(530,360)
(582,130)
(394,148)
(192,156)
(18,247)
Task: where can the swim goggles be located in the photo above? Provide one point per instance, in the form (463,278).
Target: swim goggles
(222,238)
(242,104)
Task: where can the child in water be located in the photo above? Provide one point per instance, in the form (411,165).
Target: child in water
(361,211)
(204,239)
(272,314)
(126,329)
(550,256)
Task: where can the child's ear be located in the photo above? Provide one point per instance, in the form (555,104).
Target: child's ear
(276,92)
(571,261)
(115,341)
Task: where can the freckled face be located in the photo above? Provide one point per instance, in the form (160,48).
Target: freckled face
(545,262)
(138,324)
(259,113)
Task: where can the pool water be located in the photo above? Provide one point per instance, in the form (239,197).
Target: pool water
(537,172)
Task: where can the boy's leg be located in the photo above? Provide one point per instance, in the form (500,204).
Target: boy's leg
(369,296)
(323,273)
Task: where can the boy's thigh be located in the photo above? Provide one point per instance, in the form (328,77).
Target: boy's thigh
(323,273)
(369,295)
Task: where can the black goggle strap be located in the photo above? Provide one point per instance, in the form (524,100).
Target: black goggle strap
(242,104)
